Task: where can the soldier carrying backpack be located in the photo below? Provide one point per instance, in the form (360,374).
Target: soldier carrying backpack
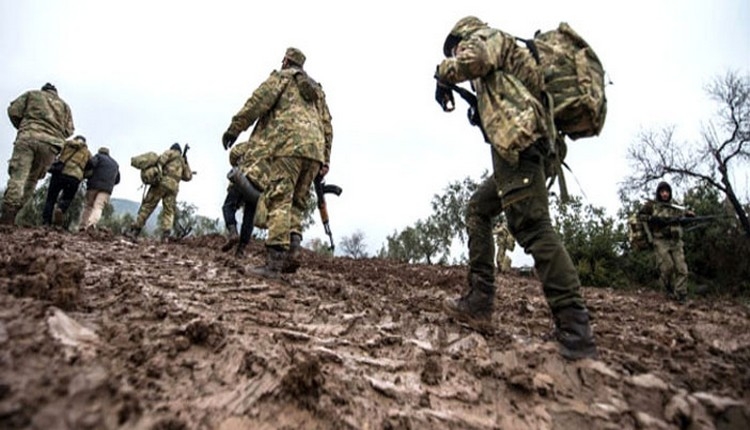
(172,167)
(515,114)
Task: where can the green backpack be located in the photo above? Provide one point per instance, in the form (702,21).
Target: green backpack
(150,169)
(574,80)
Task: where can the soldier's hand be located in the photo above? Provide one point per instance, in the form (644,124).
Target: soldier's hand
(444,97)
(228,139)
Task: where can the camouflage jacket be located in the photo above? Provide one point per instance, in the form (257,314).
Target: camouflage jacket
(253,158)
(286,107)
(43,116)
(76,156)
(508,85)
(174,169)
(658,209)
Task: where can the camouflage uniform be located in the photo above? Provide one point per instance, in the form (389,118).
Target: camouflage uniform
(175,168)
(504,242)
(509,86)
(76,155)
(667,242)
(43,121)
(293,119)
(251,158)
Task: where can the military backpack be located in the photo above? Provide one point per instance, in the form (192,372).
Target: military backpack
(574,80)
(150,169)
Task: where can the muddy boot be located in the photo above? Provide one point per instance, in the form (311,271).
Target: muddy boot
(276,259)
(58,217)
(475,307)
(240,251)
(8,216)
(166,236)
(293,261)
(132,233)
(232,238)
(573,333)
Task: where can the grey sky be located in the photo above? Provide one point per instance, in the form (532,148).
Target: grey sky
(141,75)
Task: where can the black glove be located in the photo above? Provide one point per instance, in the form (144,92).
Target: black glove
(228,139)
(444,97)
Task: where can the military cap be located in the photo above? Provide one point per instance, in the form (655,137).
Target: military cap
(176,146)
(295,56)
(81,138)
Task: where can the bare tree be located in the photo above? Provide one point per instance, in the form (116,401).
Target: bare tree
(354,245)
(725,145)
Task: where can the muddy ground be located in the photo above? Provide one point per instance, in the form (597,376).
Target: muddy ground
(100,333)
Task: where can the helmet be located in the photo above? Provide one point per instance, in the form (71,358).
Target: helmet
(463,28)
(295,56)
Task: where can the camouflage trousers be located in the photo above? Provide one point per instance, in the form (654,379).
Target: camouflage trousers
(520,191)
(672,267)
(155,194)
(28,164)
(287,195)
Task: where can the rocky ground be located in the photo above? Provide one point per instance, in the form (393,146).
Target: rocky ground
(100,333)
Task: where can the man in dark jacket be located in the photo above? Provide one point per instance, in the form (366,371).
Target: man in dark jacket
(105,174)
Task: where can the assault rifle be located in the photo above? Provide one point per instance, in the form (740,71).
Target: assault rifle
(320,191)
(685,221)
(185,150)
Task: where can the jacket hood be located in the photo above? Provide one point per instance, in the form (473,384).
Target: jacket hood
(663,186)
(462,30)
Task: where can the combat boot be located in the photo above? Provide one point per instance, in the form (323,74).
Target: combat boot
(240,251)
(475,307)
(276,259)
(166,236)
(133,232)
(573,333)
(293,259)
(9,215)
(58,217)
(232,238)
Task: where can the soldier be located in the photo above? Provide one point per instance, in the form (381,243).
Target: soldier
(105,175)
(248,178)
(175,168)
(294,120)
(667,241)
(509,87)
(504,242)
(74,157)
(44,122)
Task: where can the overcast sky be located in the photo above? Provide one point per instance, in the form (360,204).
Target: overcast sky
(141,75)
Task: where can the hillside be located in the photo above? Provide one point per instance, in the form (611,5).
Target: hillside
(100,333)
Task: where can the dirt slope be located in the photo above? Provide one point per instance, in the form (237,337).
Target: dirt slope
(100,333)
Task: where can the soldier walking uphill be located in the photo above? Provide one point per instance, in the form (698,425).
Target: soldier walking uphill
(105,175)
(505,242)
(667,241)
(73,160)
(509,87)
(44,122)
(174,168)
(248,177)
(294,121)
